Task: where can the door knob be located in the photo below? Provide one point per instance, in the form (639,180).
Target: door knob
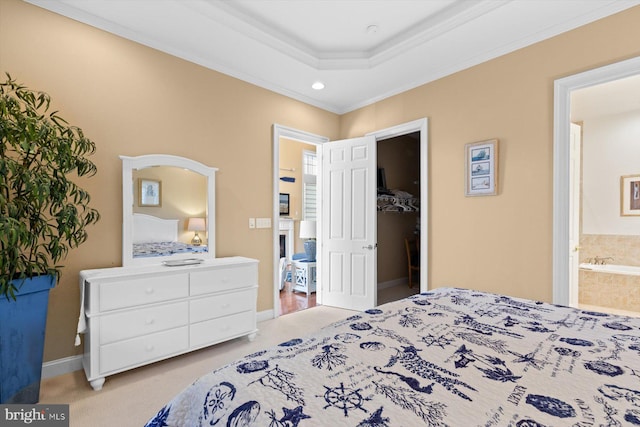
(370,247)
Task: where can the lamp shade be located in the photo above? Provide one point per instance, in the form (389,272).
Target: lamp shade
(307,229)
(196,224)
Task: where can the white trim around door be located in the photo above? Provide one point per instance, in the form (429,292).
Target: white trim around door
(280,131)
(422,126)
(561,161)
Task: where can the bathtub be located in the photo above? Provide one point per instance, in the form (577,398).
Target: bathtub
(628,270)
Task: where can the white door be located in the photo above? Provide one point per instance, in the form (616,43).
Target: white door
(574,212)
(349,189)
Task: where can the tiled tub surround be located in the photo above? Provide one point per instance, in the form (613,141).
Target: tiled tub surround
(625,250)
(617,291)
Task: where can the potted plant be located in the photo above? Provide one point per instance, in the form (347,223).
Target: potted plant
(43,214)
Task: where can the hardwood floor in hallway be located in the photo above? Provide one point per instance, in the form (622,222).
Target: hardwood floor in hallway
(290,301)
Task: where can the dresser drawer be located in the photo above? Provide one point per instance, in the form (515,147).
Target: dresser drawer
(221,328)
(222,305)
(140,350)
(139,291)
(220,279)
(133,323)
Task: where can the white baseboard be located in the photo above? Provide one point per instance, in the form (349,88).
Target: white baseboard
(265,315)
(66,365)
(61,366)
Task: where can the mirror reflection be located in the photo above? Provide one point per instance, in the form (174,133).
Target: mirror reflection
(168,210)
(177,196)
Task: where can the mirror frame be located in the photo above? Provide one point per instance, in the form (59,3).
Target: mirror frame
(140,162)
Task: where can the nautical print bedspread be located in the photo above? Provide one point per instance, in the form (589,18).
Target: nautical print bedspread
(449,357)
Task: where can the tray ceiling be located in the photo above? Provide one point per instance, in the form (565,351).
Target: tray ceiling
(362,50)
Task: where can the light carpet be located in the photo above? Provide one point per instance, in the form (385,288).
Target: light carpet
(133,397)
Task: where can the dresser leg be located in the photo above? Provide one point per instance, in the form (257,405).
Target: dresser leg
(97,383)
(252,336)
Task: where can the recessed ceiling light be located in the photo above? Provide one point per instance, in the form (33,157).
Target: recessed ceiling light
(372,29)
(318,85)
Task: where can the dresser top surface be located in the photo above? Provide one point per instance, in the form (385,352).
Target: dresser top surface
(164,269)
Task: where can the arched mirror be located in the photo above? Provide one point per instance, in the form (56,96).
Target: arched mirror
(168,210)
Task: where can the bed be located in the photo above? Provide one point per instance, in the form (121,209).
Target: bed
(158,237)
(448,357)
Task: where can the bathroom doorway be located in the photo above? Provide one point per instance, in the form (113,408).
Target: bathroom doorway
(565,281)
(609,118)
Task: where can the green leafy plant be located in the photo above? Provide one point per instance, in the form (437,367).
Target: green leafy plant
(43,212)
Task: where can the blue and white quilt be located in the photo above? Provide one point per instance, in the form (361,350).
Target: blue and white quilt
(448,357)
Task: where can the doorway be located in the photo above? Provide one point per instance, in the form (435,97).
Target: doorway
(418,130)
(286,240)
(398,217)
(564,288)
(608,238)
(298,199)
(418,127)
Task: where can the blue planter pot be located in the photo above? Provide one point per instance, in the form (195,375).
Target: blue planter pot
(22,327)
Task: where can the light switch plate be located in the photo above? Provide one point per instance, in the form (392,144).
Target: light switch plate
(263,222)
(252,223)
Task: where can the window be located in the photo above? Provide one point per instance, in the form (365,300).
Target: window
(309,163)
(309,175)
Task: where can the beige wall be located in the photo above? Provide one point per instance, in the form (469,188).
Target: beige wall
(499,243)
(134,100)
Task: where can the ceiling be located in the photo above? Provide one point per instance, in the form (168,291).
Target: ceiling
(606,99)
(362,50)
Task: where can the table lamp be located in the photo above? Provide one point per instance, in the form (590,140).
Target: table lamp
(308,231)
(196,224)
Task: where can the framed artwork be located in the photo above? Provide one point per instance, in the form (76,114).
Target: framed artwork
(284,204)
(149,192)
(630,195)
(481,168)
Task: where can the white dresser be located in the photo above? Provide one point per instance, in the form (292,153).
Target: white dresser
(141,314)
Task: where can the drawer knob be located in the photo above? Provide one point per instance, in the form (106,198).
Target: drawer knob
(150,321)
(149,347)
(225,280)
(149,290)
(227,305)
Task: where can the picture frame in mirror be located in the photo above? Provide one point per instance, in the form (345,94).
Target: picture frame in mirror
(149,192)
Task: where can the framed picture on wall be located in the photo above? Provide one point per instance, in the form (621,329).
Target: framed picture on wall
(284,204)
(481,168)
(149,192)
(630,195)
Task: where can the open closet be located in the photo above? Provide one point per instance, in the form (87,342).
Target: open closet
(398,216)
